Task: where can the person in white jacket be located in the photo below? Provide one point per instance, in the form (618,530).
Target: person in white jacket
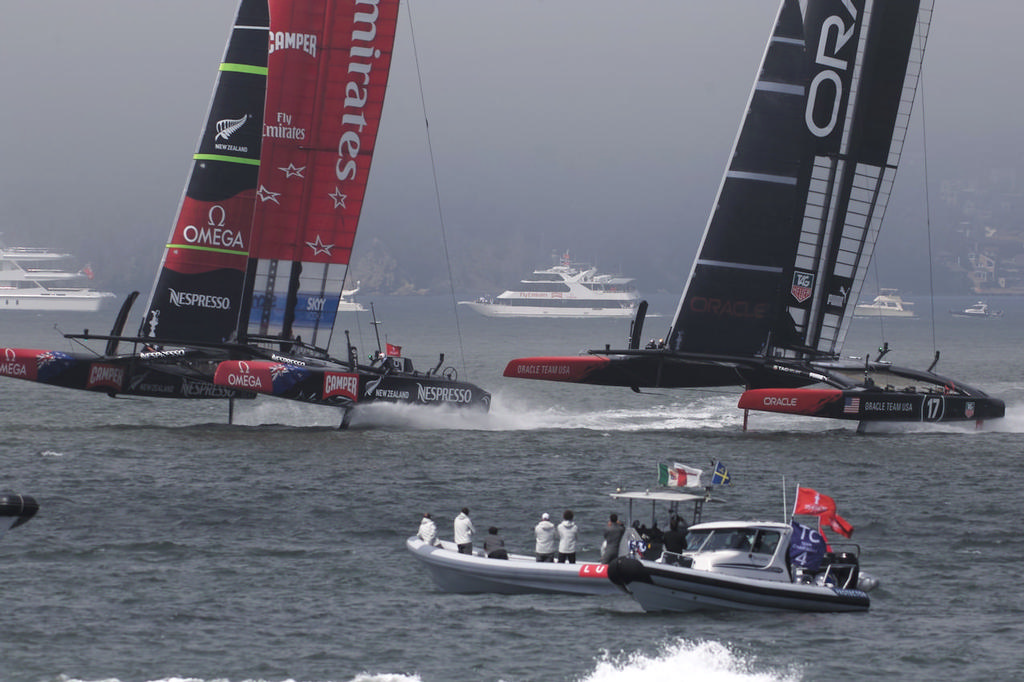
(428,530)
(464,532)
(567,532)
(547,540)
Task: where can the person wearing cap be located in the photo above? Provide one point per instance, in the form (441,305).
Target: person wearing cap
(546,540)
(464,532)
(494,544)
(567,532)
(428,530)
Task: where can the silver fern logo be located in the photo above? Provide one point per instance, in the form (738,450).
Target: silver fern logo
(229,126)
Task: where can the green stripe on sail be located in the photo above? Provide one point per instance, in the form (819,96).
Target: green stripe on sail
(193,247)
(244,68)
(226,159)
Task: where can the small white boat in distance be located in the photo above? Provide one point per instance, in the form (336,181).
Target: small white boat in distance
(347,305)
(888,303)
(979,310)
(519,574)
(566,290)
(25,283)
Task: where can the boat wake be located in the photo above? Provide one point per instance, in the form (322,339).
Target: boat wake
(509,413)
(708,661)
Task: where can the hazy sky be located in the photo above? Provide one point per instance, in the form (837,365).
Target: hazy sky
(603,126)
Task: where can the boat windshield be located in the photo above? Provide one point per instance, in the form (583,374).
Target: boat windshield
(742,539)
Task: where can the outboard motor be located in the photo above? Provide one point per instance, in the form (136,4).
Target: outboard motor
(16,510)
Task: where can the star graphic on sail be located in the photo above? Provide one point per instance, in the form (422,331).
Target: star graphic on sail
(339,198)
(319,247)
(292,171)
(265,194)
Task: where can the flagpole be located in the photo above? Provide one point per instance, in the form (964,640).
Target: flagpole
(785,507)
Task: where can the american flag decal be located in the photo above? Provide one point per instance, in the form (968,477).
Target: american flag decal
(852,406)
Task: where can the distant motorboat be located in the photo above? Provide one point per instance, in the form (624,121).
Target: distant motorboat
(979,310)
(24,284)
(888,303)
(566,289)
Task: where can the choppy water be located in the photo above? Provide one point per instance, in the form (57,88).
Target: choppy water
(171,546)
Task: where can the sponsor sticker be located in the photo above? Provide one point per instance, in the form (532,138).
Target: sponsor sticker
(102,375)
(346,385)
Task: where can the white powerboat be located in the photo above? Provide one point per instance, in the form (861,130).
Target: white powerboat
(888,303)
(26,287)
(979,310)
(519,574)
(742,565)
(566,289)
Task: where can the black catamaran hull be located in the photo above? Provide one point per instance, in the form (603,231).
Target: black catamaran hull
(340,386)
(162,374)
(775,386)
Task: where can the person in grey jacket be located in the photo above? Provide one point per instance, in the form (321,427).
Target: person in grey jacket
(464,532)
(547,541)
(567,532)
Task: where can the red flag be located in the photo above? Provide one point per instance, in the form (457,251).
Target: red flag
(393,351)
(87,271)
(812,502)
(838,524)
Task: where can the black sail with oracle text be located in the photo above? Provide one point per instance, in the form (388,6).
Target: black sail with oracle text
(197,293)
(800,207)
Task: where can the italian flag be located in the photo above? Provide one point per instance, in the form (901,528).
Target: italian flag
(678,476)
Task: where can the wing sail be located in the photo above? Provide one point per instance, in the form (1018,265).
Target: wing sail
(801,204)
(328,70)
(197,292)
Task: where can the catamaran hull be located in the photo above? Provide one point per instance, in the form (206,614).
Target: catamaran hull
(660,587)
(643,370)
(341,387)
(475,573)
(876,405)
(149,374)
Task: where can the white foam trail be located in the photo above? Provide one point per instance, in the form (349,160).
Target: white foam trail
(683,660)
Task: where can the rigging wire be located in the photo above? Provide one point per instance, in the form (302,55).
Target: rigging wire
(437,190)
(928,212)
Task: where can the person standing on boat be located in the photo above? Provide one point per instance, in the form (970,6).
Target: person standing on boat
(674,539)
(567,532)
(612,537)
(547,540)
(494,545)
(464,532)
(428,530)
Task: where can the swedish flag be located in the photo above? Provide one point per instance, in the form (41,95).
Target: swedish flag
(721,475)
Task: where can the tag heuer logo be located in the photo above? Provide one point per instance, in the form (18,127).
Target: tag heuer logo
(803,286)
